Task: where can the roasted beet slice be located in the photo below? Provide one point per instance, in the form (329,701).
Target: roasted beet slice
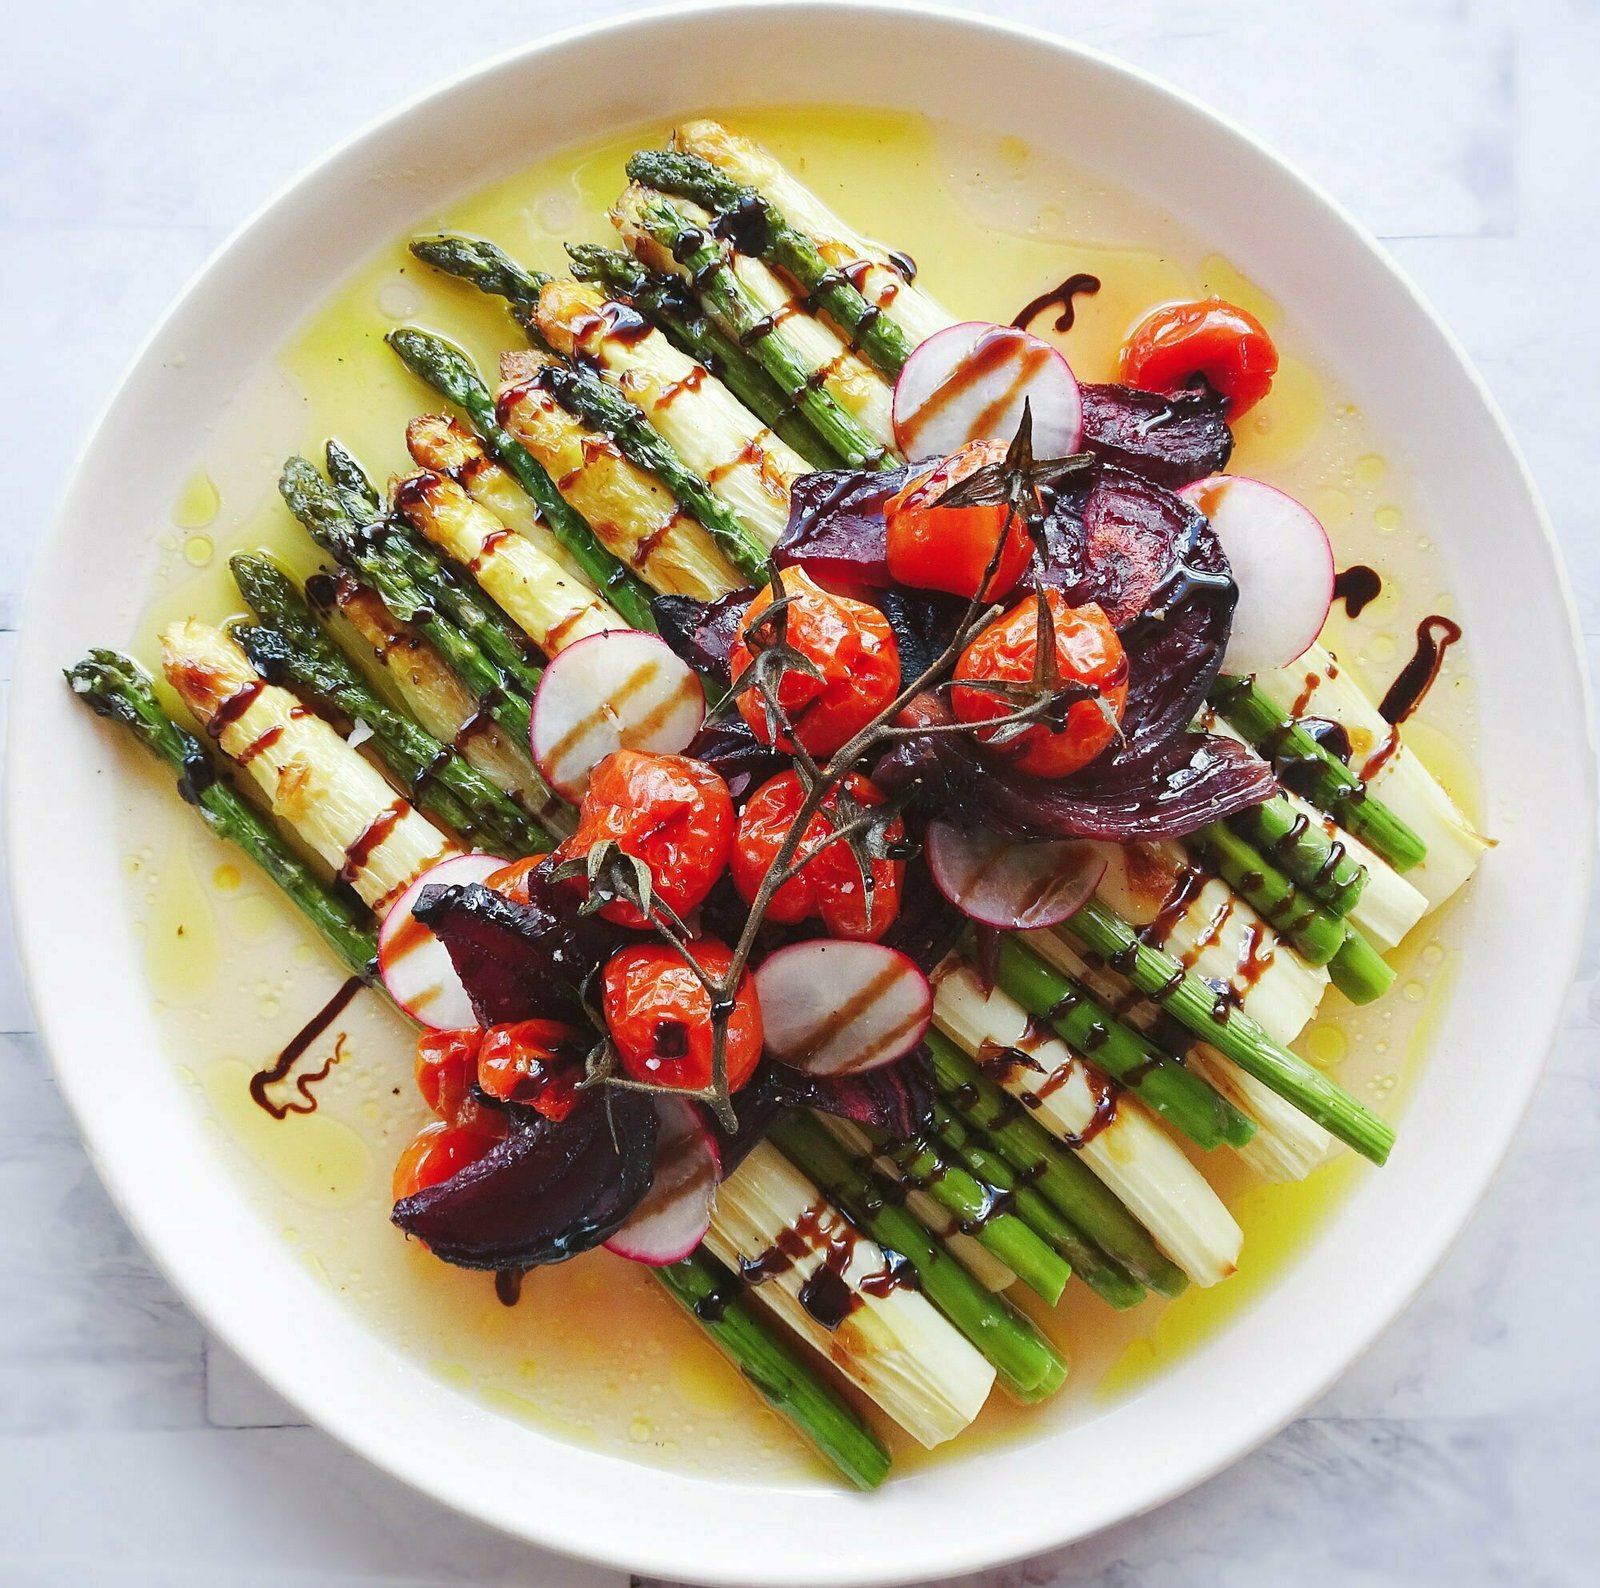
(518,962)
(1172,440)
(702,632)
(836,526)
(928,925)
(548,1191)
(730,749)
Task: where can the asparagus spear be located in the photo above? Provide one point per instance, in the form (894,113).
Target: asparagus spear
(731,306)
(762,230)
(982,1211)
(289,645)
(318,507)
(1040,1160)
(116,687)
(353,483)
(584,393)
(704,1288)
(1230,1030)
(1182,1099)
(1026,1363)
(450,372)
(1328,781)
(1305,851)
(958,1142)
(669,305)
(1359,971)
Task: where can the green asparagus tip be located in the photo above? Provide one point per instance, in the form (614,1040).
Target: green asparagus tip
(353,483)
(488,268)
(442,364)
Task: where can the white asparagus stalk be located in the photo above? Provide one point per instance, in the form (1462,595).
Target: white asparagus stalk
(868,266)
(535,591)
(326,791)
(894,1347)
(1318,686)
(1127,1150)
(740,459)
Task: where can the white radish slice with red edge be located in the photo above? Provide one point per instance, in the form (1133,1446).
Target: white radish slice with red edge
(620,690)
(1002,882)
(414,964)
(831,1007)
(968,382)
(675,1212)
(1281,561)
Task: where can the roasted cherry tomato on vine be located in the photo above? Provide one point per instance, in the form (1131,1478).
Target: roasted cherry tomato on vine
(659,1015)
(447,1065)
(511,881)
(671,812)
(950,548)
(1219,340)
(852,646)
(829,885)
(440,1150)
(535,1062)
(1087,651)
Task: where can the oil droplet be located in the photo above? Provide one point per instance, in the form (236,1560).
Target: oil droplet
(1381,647)
(1424,543)
(1433,954)
(398,300)
(1325,1044)
(639,1430)
(269,1007)
(198,550)
(181,949)
(227,877)
(1370,470)
(255,915)
(1413,991)
(1013,150)
(198,502)
(1387,519)
(304,954)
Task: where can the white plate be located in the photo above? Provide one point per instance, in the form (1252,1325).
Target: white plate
(1534,756)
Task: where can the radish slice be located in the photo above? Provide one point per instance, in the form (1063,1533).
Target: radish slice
(1015,886)
(414,964)
(968,383)
(676,1211)
(835,1008)
(1282,564)
(620,690)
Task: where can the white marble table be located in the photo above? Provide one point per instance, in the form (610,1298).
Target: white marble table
(1465,1449)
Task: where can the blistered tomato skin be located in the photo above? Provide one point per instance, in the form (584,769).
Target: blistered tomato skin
(511,881)
(671,812)
(950,548)
(829,885)
(440,1150)
(537,1063)
(1087,651)
(1212,338)
(849,642)
(446,1067)
(659,1016)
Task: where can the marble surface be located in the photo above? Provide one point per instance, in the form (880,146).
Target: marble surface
(1461,1450)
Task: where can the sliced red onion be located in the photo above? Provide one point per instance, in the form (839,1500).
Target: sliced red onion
(1015,885)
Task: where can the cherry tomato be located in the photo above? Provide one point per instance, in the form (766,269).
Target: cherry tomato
(1087,651)
(537,1062)
(671,812)
(659,1015)
(1218,340)
(512,881)
(828,885)
(440,1150)
(446,1068)
(852,645)
(950,548)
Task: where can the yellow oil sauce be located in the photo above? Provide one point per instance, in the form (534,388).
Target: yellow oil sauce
(595,1352)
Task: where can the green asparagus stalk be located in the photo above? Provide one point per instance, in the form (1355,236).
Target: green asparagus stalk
(1328,782)
(1108,1279)
(983,1211)
(668,304)
(763,231)
(1316,934)
(741,319)
(320,509)
(451,373)
(704,1288)
(353,483)
(1025,1362)
(1198,1006)
(1359,971)
(584,393)
(289,645)
(1305,852)
(1041,1161)
(115,687)
(1176,1094)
